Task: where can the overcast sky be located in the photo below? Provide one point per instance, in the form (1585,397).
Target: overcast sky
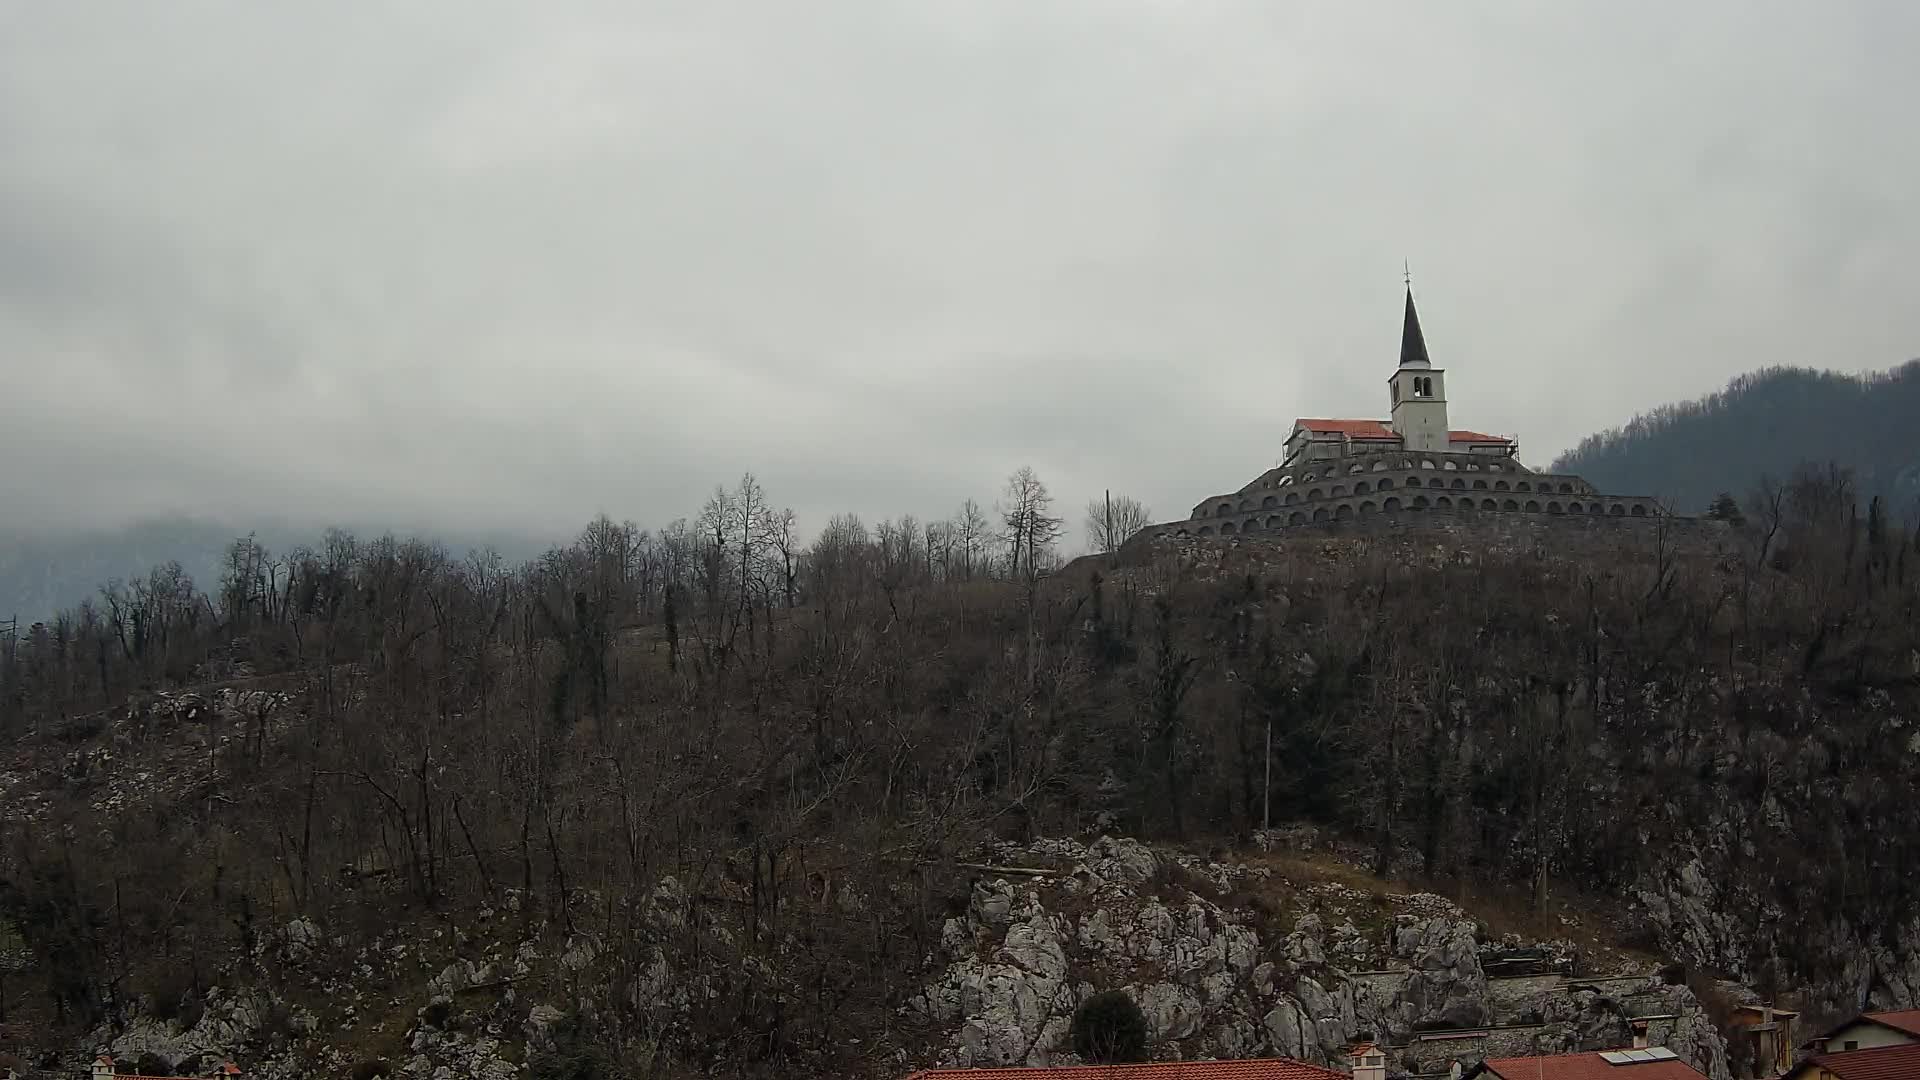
(516,264)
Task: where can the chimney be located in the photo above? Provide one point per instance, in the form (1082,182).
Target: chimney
(1369,1061)
(103,1068)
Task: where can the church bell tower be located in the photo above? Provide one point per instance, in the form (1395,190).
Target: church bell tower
(1419,391)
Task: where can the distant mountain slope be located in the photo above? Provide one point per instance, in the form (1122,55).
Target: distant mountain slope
(41,573)
(1766,422)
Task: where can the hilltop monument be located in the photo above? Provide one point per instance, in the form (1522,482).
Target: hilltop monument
(1413,462)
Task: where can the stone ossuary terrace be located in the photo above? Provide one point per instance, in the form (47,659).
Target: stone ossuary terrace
(1343,470)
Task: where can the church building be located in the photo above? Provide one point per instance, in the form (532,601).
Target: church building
(1413,462)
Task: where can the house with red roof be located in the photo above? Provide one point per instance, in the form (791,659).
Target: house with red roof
(1412,463)
(1897,1027)
(1642,1063)
(1366,1060)
(1896,1062)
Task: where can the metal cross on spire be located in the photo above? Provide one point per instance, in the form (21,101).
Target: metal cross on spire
(1408,276)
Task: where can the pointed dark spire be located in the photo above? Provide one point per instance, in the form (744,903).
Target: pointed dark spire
(1413,344)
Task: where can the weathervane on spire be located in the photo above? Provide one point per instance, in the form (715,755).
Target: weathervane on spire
(1408,275)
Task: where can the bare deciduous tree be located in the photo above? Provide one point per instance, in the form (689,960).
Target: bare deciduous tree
(1113,520)
(1028,528)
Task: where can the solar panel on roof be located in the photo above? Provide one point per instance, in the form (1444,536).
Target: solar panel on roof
(1638,1057)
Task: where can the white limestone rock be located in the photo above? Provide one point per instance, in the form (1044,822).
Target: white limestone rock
(1016,1006)
(1122,860)
(1306,945)
(1173,1012)
(1288,1030)
(1448,988)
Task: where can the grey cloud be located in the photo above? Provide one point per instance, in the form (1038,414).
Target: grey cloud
(503,265)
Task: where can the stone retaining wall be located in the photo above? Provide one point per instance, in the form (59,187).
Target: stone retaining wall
(1456,522)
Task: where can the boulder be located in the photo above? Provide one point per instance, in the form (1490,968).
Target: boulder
(1127,862)
(1447,988)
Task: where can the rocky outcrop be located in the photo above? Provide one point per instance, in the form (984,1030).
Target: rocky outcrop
(1006,985)
(1026,952)
(1445,986)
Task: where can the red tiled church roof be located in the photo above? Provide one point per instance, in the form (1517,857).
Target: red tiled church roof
(1587,1066)
(1262,1069)
(1356,429)
(1880,1063)
(1380,429)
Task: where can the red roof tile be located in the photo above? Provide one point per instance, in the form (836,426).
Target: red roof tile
(1907,1020)
(1588,1066)
(1262,1069)
(1880,1063)
(1382,429)
(1356,429)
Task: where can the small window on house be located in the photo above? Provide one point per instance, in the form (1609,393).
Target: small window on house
(1851,1044)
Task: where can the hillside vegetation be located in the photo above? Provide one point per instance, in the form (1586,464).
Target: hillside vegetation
(1762,425)
(665,755)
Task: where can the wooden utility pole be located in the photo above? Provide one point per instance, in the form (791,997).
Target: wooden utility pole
(1266,784)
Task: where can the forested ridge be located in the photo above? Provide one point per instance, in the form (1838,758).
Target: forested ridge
(1764,424)
(788,746)
(45,570)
